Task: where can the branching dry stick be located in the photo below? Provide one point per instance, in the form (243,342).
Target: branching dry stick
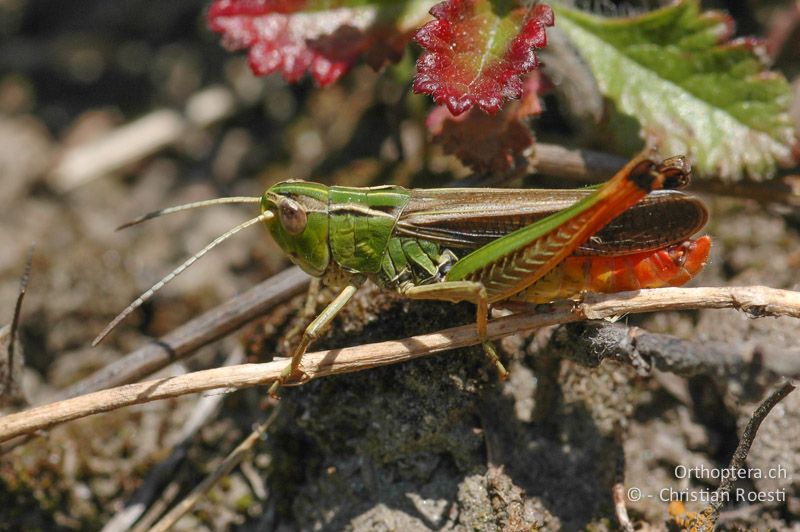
(755,367)
(755,300)
(740,454)
(227,465)
(198,332)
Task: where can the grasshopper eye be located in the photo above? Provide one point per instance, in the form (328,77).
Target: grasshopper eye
(293,216)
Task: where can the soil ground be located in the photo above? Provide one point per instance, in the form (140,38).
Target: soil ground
(436,444)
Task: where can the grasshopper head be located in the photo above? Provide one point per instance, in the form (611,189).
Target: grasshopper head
(299,223)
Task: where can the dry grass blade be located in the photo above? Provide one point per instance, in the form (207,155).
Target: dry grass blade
(755,300)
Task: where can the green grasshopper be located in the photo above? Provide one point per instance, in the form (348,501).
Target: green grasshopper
(485,246)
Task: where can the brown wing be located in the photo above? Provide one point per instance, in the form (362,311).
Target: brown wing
(468,218)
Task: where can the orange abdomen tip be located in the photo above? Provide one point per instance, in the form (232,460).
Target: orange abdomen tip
(670,266)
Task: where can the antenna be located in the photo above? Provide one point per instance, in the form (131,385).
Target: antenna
(176,272)
(187,206)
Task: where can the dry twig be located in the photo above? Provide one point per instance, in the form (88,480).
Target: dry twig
(168,496)
(193,335)
(743,448)
(227,465)
(756,301)
(589,167)
(755,367)
(164,472)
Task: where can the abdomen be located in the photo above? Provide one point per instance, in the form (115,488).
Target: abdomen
(670,266)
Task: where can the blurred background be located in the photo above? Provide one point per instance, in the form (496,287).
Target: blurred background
(112,109)
(109,109)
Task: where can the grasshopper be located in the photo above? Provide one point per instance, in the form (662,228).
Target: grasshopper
(485,246)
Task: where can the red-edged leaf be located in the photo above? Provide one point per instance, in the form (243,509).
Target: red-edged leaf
(322,37)
(477,51)
(487,143)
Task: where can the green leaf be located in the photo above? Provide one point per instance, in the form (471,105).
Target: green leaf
(691,89)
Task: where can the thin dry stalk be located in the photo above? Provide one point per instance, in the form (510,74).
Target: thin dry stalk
(587,166)
(743,448)
(194,334)
(169,494)
(153,485)
(227,465)
(757,301)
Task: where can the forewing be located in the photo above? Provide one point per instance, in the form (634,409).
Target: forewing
(468,218)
